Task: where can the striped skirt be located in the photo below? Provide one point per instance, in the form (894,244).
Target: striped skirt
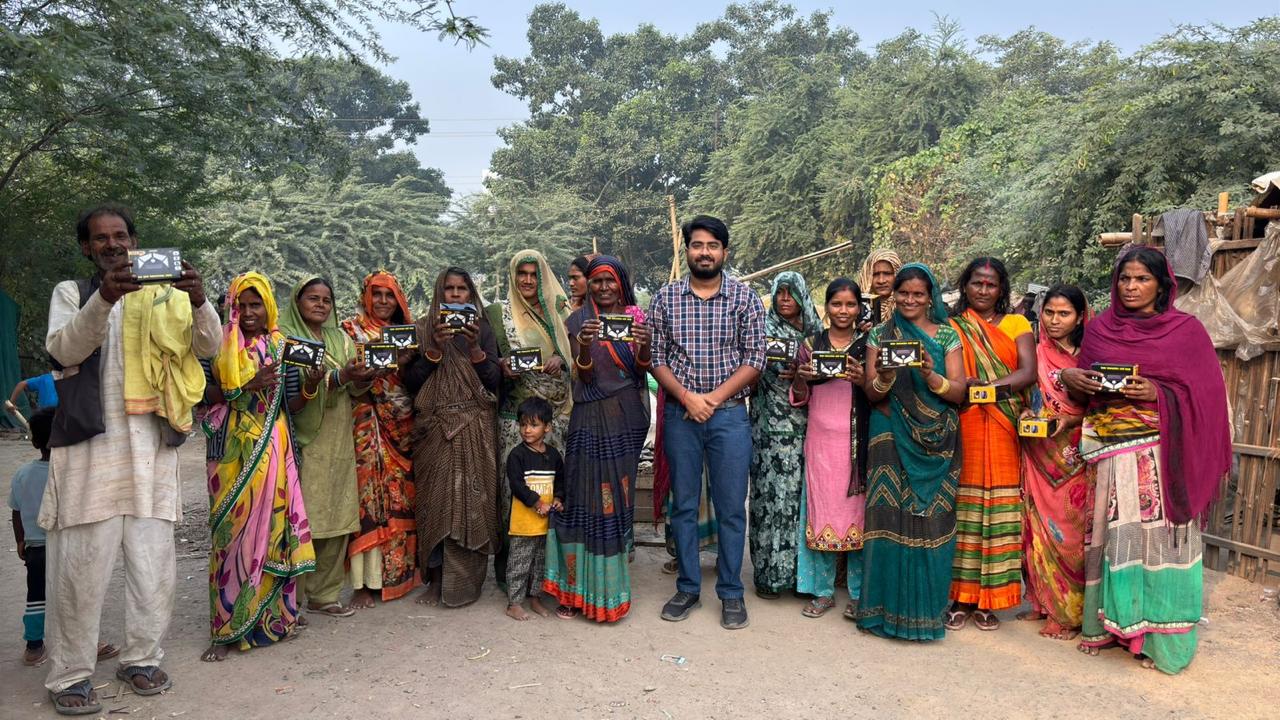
(587,542)
(987,570)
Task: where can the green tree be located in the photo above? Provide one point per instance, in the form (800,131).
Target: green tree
(175,106)
(342,232)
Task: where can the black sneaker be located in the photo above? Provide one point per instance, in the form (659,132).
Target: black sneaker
(733,614)
(679,606)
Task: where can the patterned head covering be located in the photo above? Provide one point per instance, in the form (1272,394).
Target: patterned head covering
(544,326)
(868,270)
(775,324)
(234,366)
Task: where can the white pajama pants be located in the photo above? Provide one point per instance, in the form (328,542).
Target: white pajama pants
(80,560)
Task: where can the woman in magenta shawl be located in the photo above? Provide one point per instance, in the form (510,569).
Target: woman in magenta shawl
(1156,454)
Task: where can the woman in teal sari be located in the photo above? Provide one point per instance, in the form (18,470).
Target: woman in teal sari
(913,466)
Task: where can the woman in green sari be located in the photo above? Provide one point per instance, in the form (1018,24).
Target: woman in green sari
(913,467)
(777,437)
(322,432)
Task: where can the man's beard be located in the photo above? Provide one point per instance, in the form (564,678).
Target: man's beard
(701,274)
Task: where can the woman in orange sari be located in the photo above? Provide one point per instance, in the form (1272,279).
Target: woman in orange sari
(999,352)
(1056,486)
(383,550)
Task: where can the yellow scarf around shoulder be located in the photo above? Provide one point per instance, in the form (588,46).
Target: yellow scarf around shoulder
(161,373)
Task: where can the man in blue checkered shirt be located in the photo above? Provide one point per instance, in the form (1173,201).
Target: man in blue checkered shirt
(708,349)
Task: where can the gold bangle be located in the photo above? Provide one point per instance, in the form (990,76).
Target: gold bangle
(589,364)
(311,395)
(879,387)
(943,388)
(427,354)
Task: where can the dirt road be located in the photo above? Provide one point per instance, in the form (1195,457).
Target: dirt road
(407,660)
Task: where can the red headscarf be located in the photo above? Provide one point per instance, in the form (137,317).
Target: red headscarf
(1172,349)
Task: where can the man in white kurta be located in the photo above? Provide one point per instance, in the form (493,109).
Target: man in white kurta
(117,491)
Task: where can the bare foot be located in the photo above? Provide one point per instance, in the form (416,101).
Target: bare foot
(361,599)
(1147,662)
(215,653)
(536,605)
(1055,631)
(1031,615)
(430,595)
(1089,650)
(515,612)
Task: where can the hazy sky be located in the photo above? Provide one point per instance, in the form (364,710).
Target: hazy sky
(452,84)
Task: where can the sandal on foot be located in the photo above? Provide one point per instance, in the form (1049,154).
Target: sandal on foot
(564,612)
(82,689)
(37,659)
(127,674)
(818,607)
(767,594)
(333,609)
(107,651)
(849,613)
(956,619)
(986,620)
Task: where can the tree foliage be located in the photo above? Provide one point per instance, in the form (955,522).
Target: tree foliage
(175,107)
(1024,146)
(341,233)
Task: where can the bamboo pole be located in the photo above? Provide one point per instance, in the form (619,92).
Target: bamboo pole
(796,261)
(675,239)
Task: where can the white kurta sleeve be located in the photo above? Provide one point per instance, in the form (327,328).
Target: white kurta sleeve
(206,333)
(74,331)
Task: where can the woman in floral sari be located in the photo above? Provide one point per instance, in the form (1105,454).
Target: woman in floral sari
(1054,480)
(383,552)
(999,351)
(777,432)
(1156,455)
(913,465)
(261,541)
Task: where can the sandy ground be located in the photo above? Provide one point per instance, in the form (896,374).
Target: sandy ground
(407,660)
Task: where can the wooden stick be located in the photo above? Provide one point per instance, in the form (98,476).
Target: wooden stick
(1137,229)
(1224,200)
(675,239)
(796,261)
(1272,213)
(1114,239)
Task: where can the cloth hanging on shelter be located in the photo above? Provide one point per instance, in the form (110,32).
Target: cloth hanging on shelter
(1241,309)
(1186,243)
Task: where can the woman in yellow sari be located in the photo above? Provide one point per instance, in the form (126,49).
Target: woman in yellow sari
(999,352)
(261,540)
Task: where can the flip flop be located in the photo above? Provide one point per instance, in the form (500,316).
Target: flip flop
(127,674)
(564,612)
(82,689)
(107,650)
(38,660)
(986,620)
(333,609)
(956,619)
(849,613)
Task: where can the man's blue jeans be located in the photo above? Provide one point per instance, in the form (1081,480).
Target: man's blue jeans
(722,446)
